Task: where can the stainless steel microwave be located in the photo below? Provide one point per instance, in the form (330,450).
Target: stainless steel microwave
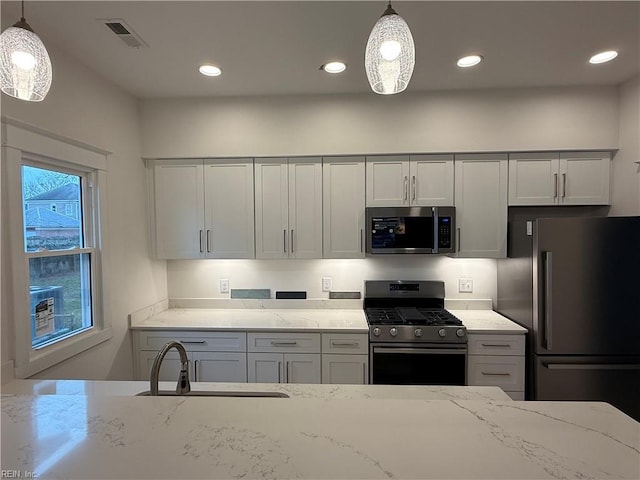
(410,230)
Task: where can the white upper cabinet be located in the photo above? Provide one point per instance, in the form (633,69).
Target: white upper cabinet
(288,208)
(580,178)
(481,205)
(203,209)
(229,218)
(343,206)
(402,180)
(431,180)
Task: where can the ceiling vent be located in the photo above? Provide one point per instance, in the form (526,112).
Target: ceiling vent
(124,32)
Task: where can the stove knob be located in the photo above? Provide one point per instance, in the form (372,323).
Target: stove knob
(418,332)
(442,332)
(376,332)
(393,331)
(460,332)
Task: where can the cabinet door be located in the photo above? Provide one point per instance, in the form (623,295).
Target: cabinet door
(481,205)
(219,367)
(305,208)
(584,178)
(350,369)
(179,209)
(343,207)
(272,208)
(533,178)
(229,207)
(302,367)
(265,368)
(431,180)
(387,181)
(169,370)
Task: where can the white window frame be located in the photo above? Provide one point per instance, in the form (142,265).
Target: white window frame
(25,145)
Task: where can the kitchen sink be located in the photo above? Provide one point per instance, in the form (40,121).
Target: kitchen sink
(215,393)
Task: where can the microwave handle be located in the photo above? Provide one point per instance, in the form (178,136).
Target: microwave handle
(434,212)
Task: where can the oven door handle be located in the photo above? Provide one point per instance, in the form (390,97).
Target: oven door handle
(423,351)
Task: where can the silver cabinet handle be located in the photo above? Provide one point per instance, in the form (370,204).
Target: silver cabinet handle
(413,188)
(291,240)
(194,342)
(362,240)
(201,242)
(564,185)
(504,345)
(548,298)
(338,343)
(195,370)
(288,380)
(459,239)
(406,188)
(591,366)
(555,183)
(283,344)
(284,240)
(279,372)
(490,374)
(209,248)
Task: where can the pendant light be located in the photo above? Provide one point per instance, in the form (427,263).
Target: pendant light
(390,54)
(25,67)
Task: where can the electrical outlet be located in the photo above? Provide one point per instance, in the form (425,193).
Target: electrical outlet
(465,285)
(224,285)
(326,284)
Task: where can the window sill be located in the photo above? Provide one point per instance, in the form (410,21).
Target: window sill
(52,355)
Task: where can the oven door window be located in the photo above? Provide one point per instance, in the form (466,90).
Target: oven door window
(418,366)
(402,233)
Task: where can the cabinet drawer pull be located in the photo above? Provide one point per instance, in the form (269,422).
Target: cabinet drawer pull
(339,343)
(555,183)
(209,247)
(284,240)
(291,240)
(413,188)
(490,374)
(195,371)
(201,241)
(564,185)
(279,372)
(504,345)
(283,344)
(194,342)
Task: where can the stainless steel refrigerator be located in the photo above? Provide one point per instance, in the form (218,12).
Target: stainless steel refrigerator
(574,283)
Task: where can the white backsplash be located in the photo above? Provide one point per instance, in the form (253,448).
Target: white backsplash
(200,278)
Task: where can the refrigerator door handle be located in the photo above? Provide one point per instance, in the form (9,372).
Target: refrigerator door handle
(548,298)
(590,366)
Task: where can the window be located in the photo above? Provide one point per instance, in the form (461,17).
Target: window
(55,259)
(59,282)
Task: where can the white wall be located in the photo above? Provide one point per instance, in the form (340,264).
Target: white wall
(625,193)
(200,278)
(467,121)
(82,106)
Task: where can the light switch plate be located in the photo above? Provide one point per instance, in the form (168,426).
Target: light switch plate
(224,285)
(465,285)
(326,284)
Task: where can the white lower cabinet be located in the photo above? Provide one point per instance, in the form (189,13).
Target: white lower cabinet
(283,357)
(345,358)
(497,360)
(213,356)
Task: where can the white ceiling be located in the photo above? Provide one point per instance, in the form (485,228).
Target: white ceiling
(274,48)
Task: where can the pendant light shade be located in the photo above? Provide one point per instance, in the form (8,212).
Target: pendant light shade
(25,67)
(390,55)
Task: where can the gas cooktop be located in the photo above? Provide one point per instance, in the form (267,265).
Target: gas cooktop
(410,316)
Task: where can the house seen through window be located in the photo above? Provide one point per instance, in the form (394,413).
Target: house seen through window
(59,256)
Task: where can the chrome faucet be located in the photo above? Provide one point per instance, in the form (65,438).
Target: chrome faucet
(183,386)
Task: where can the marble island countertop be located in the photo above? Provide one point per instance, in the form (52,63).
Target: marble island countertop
(91,437)
(319,317)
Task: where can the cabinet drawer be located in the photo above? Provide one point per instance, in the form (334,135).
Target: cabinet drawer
(345,343)
(283,342)
(495,344)
(194,341)
(506,372)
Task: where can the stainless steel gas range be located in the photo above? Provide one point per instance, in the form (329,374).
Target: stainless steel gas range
(413,340)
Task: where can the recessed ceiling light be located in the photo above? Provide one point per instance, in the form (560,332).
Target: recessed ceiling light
(603,57)
(334,67)
(469,61)
(210,70)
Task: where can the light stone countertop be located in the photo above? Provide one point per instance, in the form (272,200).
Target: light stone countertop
(487,321)
(97,437)
(319,391)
